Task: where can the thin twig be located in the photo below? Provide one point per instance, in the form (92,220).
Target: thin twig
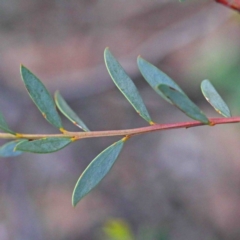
(125,132)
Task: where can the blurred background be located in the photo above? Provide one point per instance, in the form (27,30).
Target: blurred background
(172,185)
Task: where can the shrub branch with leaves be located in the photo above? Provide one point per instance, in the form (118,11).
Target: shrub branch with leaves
(101,165)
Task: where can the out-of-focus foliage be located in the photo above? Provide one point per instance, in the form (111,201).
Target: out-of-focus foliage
(118,229)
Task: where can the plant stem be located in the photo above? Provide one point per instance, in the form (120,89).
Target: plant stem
(125,132)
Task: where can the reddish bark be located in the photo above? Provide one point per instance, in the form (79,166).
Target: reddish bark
(234,4)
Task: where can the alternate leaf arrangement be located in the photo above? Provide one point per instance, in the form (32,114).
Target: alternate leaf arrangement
(101,164)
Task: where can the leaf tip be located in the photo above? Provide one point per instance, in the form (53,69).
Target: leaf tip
(22,68)
(74,203)
(106,49)
(75,199)
(56,94)
(139,60)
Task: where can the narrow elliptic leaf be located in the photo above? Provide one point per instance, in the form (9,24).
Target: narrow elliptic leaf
(182,102)
(68,112)
(125,85)
(96,171)
(213,97)
(155,77)
(44,145)
(4,125)
(7,150)
(41,97)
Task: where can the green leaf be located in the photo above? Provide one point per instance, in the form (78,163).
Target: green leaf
(155,77)
(41,97)
(96,171)
(44,145)
(125,85)
(4,125)
(182,102)
(213,97)
(68,112)
(7,150)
